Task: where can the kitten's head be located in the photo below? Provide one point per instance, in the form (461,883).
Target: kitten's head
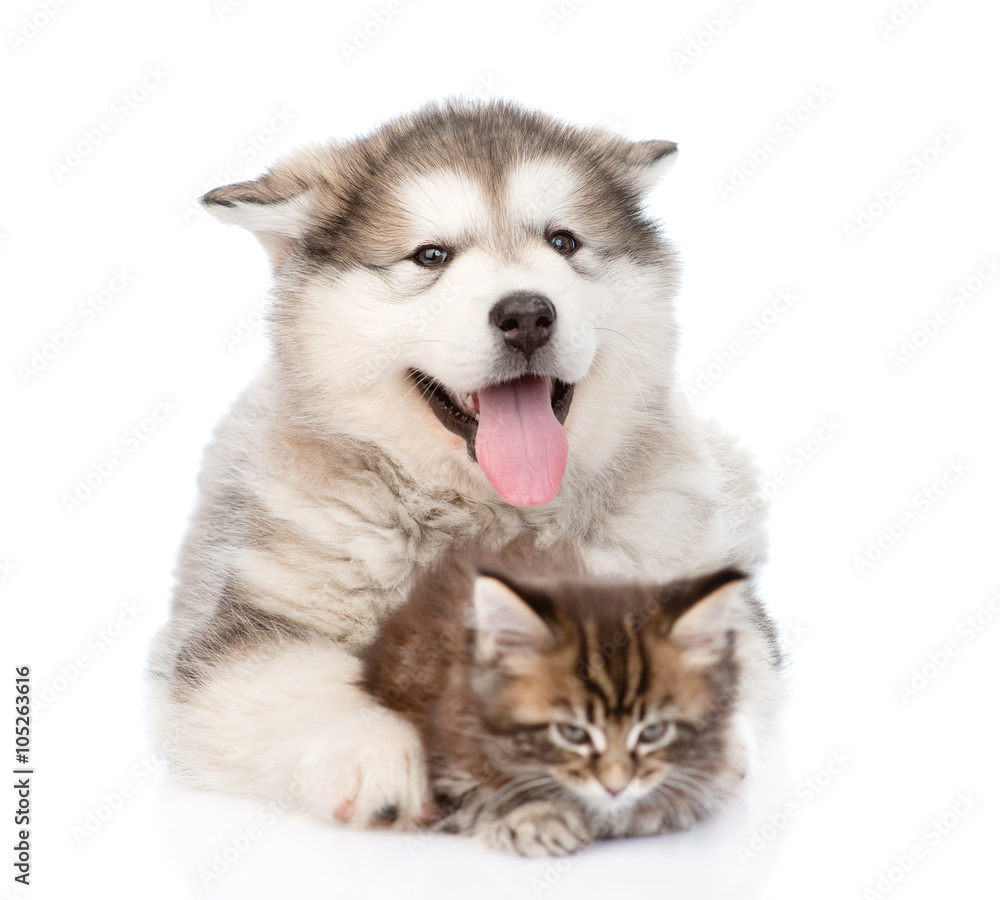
(621,695)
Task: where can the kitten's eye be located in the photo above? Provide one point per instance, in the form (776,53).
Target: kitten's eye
(573,733)
(652,733)
(563,242)
(431,256)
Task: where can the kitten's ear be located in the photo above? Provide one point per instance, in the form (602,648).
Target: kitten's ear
(281,205)
(649,161)
(702,630)
(505,624)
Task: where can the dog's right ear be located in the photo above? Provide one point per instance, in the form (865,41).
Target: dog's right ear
(280,206)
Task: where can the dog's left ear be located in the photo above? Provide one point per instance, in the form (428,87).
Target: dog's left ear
(649,162)
(280,206)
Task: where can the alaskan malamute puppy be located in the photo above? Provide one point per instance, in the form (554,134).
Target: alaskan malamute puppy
(473,336)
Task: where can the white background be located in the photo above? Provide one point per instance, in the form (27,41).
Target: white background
(232,85)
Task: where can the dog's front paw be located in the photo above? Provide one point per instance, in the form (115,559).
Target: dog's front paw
(539,828)
(373,774)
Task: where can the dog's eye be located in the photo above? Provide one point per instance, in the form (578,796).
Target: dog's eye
(573,733)
(431,256)
(563,242)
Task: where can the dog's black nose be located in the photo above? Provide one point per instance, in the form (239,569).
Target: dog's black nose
(525,319)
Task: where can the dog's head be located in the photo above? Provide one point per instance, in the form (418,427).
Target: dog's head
(474,282)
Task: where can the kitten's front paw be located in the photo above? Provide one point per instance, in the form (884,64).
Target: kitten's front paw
(540,828)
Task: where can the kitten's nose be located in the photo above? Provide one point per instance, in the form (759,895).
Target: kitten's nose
(615,779)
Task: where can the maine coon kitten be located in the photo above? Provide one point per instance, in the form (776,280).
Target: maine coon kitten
(556,708)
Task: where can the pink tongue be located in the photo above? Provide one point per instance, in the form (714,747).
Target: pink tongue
(520,445)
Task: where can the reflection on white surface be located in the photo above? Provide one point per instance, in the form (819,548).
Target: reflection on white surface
(231,847)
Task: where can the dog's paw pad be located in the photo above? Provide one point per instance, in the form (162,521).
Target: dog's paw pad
(345,811)
(386,815)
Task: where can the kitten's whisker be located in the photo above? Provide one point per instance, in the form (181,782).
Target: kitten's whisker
(540,788)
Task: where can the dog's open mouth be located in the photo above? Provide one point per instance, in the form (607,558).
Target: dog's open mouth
(513,430)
